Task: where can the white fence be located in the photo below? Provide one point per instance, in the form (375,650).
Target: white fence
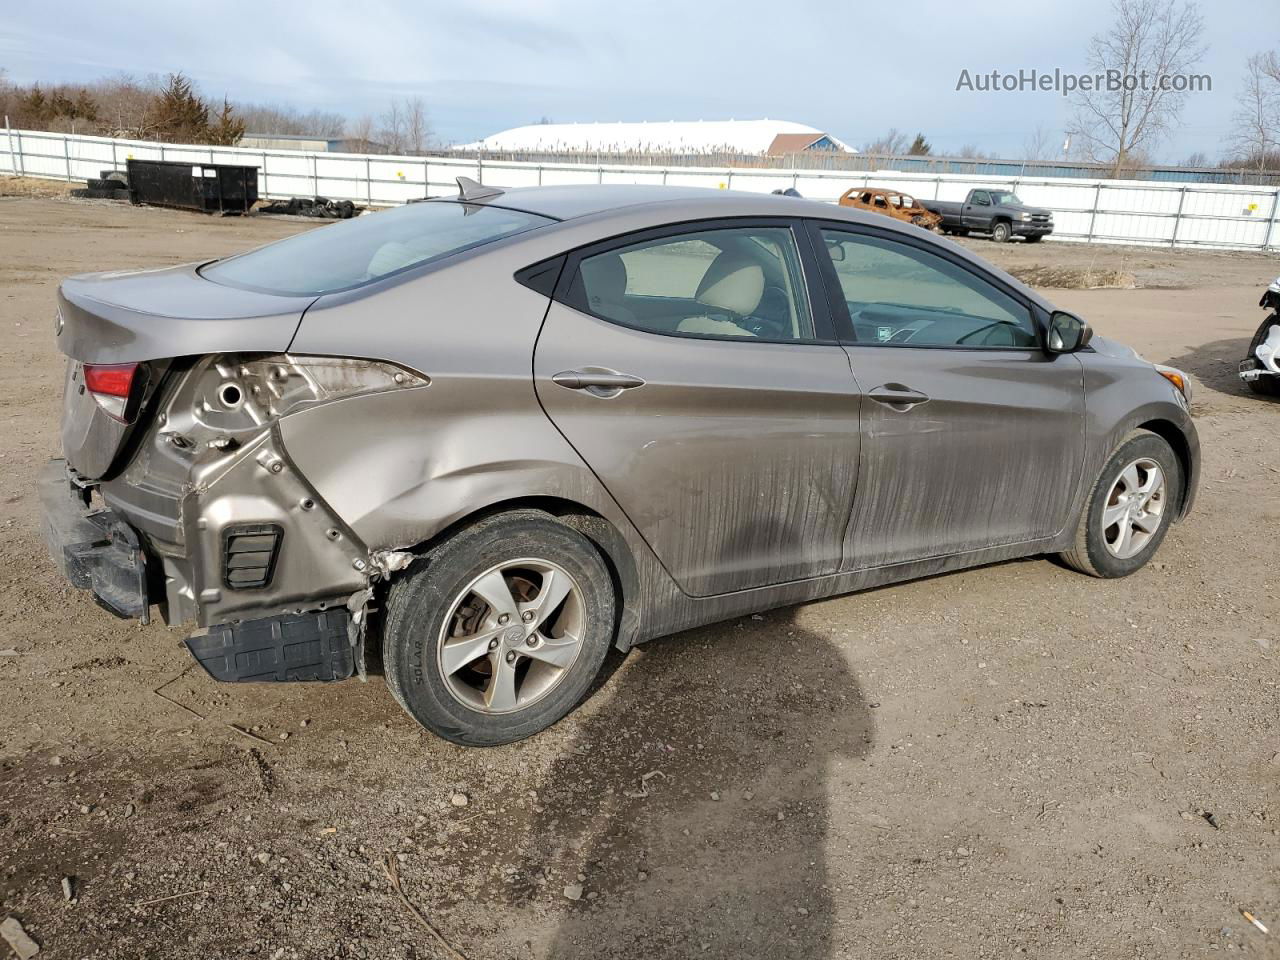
(1112,211)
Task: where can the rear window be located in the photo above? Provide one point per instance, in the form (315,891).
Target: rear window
(359,251)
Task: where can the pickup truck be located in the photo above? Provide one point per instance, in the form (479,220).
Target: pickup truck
(997,212)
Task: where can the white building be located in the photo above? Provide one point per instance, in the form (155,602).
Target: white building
(674,136)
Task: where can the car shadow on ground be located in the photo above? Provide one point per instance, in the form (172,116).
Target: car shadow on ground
(1215,366)
(692,803)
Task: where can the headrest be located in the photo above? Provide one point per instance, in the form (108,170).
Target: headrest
(733,283)
(605,277)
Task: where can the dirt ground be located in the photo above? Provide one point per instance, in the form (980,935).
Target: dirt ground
(1011,761)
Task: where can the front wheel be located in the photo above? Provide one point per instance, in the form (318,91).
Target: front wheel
(501,630)
(1001,232)
(1130,509)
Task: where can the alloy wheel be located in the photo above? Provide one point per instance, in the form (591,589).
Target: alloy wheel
(512,635)
(1134,508)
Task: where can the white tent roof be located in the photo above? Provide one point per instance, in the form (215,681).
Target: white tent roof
(674,136)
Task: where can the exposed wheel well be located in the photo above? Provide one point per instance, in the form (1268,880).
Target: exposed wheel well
(1171,435)
(596,528)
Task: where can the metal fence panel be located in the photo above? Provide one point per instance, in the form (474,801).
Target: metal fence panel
(1151,212)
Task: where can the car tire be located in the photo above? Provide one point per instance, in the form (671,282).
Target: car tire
(1001,232)
(1263,386)
(1141,480)
(90,193)
(505,679)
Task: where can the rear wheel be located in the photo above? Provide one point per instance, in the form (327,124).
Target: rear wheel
(1130,509)
(1264,386)
(501,630)
(1001,232)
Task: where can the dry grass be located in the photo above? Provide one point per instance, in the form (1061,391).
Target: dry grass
(1074,278)
(35,187)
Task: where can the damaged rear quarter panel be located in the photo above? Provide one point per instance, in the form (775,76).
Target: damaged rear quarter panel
(401,467)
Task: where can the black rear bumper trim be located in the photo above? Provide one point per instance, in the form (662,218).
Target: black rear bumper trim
(94,549)
(290,647)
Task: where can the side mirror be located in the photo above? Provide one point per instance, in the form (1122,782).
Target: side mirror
(1067,333)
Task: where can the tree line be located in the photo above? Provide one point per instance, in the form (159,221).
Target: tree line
(171,109)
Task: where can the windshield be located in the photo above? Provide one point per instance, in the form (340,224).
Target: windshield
(355,252)
(1004,196)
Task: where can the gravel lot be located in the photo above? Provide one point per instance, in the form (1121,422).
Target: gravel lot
(1011,761)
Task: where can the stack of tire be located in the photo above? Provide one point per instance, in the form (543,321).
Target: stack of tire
(110,185)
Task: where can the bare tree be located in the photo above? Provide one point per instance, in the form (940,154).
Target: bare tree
(1197,159)
(1150,43)
(1256,136)
(417,131)
(1271,66)
(288,120)
(392,131)
(360,133)
(970,152)
(892,143)
(1040,144)
(124,103)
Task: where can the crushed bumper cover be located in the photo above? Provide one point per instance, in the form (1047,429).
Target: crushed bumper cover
(94,549)
(1251,370)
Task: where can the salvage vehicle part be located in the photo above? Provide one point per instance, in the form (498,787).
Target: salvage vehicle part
(891,203)
(496,434)
(1260,369)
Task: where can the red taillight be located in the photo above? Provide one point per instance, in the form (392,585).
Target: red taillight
(111,385)
(113,379)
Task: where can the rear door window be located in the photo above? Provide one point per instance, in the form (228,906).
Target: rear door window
(740,282)
(355,252)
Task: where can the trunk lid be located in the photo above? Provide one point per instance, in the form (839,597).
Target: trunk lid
(152,317)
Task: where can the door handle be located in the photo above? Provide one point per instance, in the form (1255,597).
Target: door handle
(897,397)
(596,380)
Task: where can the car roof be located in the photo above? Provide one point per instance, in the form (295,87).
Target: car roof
(611,207)
(571,202)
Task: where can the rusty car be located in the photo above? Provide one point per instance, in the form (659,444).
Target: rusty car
(891,203)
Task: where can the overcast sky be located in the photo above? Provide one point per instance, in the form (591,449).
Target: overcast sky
(485,65)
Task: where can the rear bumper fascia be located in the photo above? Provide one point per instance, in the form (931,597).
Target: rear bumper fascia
(94,549)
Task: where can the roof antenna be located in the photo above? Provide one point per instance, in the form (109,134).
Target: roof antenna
(470,190)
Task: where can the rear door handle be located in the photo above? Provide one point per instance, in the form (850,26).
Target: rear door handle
(596,380)
(897,397)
